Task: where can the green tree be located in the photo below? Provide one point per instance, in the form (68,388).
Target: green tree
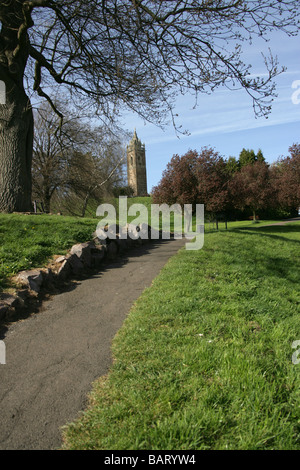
(248,157)
(259,156)
(232,165)
(112,54)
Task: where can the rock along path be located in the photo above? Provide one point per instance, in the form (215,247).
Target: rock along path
(53,357)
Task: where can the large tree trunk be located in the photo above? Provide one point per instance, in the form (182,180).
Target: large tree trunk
(16,142)
(16,117)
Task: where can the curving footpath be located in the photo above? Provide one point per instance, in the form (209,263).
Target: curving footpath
(53,357)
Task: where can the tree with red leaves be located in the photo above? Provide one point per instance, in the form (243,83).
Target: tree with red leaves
(252,188)
(195,178)
(212,179)
(178,183)
(286,175)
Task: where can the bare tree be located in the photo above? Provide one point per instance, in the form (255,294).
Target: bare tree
(49,157)
(76,161)
(115,53)
(95,175)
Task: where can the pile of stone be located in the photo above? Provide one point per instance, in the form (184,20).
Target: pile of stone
(82,259)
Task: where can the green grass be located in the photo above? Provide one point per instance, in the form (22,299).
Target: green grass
(204,360)
(29,241)
(145,201)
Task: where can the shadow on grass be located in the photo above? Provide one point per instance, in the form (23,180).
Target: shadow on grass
(271,231)
(277,264)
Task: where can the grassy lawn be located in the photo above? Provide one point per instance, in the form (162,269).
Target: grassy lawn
(28,242)
(204,360)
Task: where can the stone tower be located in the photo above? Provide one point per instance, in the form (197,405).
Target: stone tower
(136,166)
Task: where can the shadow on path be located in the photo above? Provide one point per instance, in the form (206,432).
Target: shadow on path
(53,357)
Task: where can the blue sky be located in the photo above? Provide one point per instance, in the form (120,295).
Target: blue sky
(225,120)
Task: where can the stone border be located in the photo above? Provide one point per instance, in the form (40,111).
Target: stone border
(83,259)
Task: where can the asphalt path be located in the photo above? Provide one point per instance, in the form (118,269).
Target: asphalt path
(53,356)
(281,223)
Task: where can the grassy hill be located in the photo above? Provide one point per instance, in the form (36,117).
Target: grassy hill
(204,360)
